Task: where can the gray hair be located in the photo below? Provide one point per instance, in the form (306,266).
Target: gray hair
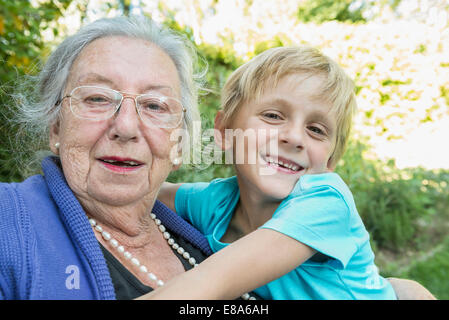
(36,114)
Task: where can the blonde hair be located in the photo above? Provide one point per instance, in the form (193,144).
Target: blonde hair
(249,80)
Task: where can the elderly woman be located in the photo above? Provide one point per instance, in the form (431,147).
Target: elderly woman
(90,227)
(110,96)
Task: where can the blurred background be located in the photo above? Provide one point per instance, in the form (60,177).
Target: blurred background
(397,51)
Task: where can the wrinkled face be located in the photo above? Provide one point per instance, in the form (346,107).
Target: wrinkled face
(289,131)
(120,160)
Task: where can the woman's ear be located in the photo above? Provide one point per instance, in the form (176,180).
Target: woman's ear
(176,153)
(177,162)
(219,132)
(54,137)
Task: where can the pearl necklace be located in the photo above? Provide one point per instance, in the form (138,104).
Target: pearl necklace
(171,242)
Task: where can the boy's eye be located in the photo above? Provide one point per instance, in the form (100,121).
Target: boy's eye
(272,116)
(316,130)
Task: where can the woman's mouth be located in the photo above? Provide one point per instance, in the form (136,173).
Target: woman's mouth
(119,164)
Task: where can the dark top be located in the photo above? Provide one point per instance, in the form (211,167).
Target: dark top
(127,286)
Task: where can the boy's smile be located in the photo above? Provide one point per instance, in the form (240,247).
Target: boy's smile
(298,136)
(282,164)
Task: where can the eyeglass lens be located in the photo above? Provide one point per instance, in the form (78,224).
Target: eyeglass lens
(97,103)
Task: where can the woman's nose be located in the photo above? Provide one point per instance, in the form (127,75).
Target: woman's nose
(125,123)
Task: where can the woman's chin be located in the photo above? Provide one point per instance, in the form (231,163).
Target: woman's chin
(116,195)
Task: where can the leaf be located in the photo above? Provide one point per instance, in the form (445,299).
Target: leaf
(2,25)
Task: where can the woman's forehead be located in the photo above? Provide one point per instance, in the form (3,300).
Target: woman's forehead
(95,79)
(125,63)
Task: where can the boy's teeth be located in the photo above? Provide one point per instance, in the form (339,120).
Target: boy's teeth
(285,165)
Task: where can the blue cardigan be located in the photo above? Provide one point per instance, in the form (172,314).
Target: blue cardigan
(48,249)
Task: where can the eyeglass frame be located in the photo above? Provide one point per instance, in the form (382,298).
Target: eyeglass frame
(123,96)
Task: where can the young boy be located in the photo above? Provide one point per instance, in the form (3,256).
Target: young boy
(293,224)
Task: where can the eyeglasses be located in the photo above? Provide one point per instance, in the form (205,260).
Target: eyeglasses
(97,103)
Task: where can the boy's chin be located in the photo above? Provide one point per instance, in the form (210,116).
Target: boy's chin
(277,190)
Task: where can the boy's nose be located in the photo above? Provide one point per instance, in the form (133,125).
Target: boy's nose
(292,137)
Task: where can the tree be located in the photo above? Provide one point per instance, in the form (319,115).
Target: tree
(340,10)
(21,45)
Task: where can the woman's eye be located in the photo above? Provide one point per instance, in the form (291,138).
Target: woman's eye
(151,106)
(97,100)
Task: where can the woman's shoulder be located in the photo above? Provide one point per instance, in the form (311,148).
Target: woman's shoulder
(12,190)
(20,201)
(18,198)
(16,201)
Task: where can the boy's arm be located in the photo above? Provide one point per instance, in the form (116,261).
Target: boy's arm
(167,194)
(250,262)
(410,290)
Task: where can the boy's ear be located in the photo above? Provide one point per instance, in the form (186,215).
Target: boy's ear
(54,137)
(331,165)
(219,132)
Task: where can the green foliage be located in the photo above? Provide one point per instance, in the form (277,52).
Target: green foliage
(126,6)
(21,26)
(190,173)
(319,11)
(445,93)
(430,268)
(432,271)
(220,61)
(395,205)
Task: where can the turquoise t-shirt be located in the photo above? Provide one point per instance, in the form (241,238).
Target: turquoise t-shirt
(320,212)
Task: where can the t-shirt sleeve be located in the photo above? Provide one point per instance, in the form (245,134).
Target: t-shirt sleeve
(205,204)
(188,198)
(318,214)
